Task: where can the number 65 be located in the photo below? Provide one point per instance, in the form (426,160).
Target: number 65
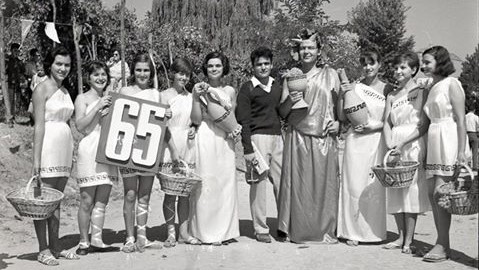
(129,132)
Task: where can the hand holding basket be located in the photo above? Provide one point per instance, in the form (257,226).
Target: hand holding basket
(36,203)
(395,175)
(461,195)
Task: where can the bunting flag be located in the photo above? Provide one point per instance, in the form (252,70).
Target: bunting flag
(26,25)
(51,32)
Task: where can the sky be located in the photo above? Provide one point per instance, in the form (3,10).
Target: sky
(453,24)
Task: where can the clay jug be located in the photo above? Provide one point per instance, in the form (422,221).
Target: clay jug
(354,107)
(221,114)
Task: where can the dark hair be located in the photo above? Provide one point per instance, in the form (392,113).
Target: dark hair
(444,65)
(96,65)
(14,45)
(261,52)
(410,58)
(369,55)
(222,57)
(33,52)
(142,57)
(50,57)
(181,64)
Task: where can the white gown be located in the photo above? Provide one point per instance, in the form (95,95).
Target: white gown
(89,172)
(405,116)
(362,199)
(214,205)
(57,150)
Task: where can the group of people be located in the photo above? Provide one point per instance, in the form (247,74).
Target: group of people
(419,122)
(22,78)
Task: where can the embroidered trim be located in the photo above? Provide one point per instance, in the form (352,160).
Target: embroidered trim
(223,117)
(440,167)
(355,108)
(128,171)
(374,95)
(55,169)
(94,178)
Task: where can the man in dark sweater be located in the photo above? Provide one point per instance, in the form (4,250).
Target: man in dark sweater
(257,112)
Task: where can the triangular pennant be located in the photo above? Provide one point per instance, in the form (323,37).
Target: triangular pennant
(51,32)
(26,25)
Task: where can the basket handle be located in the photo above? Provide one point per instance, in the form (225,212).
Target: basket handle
(186,168)
(39,184)
(385,159)
(458,171)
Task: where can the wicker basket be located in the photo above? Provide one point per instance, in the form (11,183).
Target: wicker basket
(36,206)
(395,175)
(461,195)
(181,183)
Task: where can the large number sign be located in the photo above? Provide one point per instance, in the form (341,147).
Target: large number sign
(132,133)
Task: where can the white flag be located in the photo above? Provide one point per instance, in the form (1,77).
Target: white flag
(26,25)
(51,32)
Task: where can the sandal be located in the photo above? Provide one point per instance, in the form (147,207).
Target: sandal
(190,241)
(406,250)
(68,255)
(47,259)
(83,249)
(391,245)
(148,244)
(352,243)
(171,240)
(129,246)
(216,244)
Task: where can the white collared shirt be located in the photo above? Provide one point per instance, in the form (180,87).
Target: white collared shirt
(266,88)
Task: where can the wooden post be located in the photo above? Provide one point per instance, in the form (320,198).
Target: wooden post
(6,96)
(150,52)
(77,30)
(54,7)
(122,42)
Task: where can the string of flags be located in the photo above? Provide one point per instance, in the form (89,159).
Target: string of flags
(50,29)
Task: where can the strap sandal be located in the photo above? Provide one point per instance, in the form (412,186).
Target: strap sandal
(391,245)
(190,240)
(68,255)
(47,259)
(216,244)
(352,243)
(148,245)
(171,240)
(406,250)
(129,246)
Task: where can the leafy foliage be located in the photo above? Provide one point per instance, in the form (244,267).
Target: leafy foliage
(470,77)
(380,24)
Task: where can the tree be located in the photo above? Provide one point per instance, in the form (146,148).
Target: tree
(380,24)
(470,76)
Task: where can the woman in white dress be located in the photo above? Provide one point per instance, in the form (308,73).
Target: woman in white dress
(446,140)
(94,179)
(138,184)
(362,199)
(404,127)
(52,147)
(214,205)
(182,134)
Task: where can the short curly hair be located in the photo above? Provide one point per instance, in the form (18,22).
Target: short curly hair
(219,55)
(96,65)
(444,65)
(410,58)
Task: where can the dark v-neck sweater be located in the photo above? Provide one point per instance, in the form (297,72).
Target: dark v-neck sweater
(257,112)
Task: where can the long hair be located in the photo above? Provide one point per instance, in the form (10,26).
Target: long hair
(444,65)
(142,58)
